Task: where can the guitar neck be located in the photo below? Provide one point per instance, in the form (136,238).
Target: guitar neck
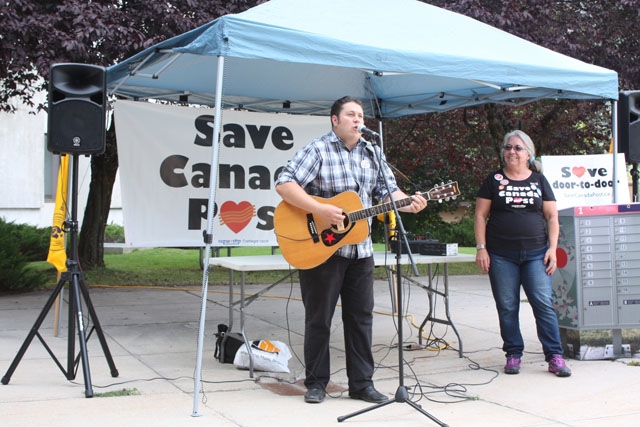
(382,208)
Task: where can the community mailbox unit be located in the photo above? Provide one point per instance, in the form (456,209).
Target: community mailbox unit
(597,284)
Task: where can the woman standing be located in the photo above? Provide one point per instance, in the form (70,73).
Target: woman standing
(516,230)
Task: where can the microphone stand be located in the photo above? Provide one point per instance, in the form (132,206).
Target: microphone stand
(401,395)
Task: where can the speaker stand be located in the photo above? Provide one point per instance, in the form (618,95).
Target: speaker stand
(401,395)
(74,277)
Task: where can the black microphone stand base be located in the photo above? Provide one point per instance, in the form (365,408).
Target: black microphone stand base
(402,396)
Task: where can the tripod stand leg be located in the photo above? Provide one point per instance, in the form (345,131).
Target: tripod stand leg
(98,328)
(82,339)
(34,330)
(362,411)
(403,396)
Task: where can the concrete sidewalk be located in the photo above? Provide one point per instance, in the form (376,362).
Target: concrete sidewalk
(152,335)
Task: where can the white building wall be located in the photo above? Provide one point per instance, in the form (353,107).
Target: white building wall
(23,158)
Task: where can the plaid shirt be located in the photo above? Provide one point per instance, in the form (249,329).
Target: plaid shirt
(325,168)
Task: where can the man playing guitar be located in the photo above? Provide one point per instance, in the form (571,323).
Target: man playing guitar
(337,162)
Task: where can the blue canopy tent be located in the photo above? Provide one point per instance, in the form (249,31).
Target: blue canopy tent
(401,57)
(406,56)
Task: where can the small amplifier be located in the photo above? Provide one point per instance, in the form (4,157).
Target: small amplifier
(415,245)
(439,249)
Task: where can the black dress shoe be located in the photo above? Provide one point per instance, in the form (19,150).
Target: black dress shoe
(314,395)
(368,394)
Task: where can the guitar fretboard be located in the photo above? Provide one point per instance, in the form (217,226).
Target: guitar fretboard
(443,191)
(379,209)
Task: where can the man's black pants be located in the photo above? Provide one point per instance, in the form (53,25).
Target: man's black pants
(352,281)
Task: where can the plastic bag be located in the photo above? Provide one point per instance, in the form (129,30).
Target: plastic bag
(268,356)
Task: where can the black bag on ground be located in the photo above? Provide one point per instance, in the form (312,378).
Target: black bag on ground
(227,344)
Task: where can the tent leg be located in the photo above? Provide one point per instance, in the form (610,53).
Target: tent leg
(208,237)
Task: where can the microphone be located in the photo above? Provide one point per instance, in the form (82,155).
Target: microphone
(366,131)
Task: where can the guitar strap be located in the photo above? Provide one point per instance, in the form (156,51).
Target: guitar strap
(311,226)
(370,147)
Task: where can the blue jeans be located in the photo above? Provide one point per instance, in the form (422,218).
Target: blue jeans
(509,270)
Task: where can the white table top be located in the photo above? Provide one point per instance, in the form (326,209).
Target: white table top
(277,262)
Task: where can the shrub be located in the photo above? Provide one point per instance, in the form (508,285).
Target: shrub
(431,226)
(33,241)
(21,244)
(460,233)
(114,233)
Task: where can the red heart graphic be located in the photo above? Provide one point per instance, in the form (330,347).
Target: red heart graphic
(236,216)
(578,171)
(517,200)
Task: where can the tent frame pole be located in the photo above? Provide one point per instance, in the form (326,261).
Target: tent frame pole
(208,235)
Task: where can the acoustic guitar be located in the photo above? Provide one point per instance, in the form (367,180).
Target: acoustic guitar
(306,241)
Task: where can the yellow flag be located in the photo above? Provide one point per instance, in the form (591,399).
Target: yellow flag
(392,225)
(57,251)
(390,219)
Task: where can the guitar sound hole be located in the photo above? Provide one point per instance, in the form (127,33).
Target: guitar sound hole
(342,226)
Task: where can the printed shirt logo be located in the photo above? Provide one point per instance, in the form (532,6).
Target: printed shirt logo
(519,196)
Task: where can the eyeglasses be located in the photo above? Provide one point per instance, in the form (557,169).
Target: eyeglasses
(510,147)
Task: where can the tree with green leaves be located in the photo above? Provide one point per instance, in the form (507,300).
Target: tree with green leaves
(464,145)
(37,34)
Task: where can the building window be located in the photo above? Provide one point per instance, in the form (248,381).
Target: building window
(51,167)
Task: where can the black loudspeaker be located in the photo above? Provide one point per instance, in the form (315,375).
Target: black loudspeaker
(629,125)
(77,109)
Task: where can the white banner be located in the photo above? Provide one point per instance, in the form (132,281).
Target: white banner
(586,180)
(165,153)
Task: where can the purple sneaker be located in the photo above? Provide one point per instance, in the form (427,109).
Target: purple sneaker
(558,367)
(513,365)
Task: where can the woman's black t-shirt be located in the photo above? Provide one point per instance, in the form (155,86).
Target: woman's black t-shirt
(516,220)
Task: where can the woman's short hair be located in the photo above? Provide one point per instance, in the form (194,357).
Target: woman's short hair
(534,164)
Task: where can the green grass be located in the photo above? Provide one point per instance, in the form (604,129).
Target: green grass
(173,267)
(117,393)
